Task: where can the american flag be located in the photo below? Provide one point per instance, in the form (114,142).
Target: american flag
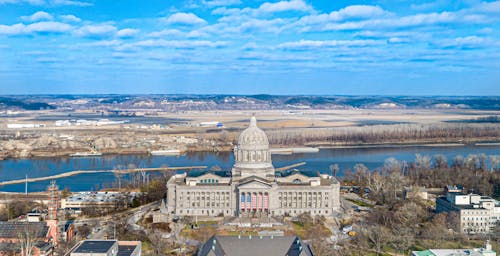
(249,199)
(254,201)
(266,201)
(259,201)
(242,202)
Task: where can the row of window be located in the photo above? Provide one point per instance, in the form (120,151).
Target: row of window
(209,181)
(203,204)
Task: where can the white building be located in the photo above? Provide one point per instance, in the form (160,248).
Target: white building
(484,251)
(253,188)
(478,214)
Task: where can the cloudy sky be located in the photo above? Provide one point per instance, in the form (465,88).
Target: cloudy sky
(397,47)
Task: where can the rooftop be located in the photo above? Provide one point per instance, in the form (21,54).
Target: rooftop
(126,250)
(12,229)
(198,173)
(94,246)
(257,245)
(289,172)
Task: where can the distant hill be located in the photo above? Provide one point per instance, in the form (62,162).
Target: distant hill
(12,103)
(174,102)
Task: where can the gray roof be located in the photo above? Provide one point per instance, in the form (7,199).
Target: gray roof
(289,172)
(95,246)
(10,247)
(126,250)
(198,173)
(12,229)
(257,245)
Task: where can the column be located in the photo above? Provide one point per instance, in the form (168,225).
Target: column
(254,201)
(266,201)
(259,201)
(242,201)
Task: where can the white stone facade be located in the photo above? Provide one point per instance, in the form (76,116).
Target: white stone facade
(253,188)
(477,214)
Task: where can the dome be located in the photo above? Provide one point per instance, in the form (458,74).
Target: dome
(252,155)
(253,138)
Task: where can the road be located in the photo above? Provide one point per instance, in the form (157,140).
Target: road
(105,224)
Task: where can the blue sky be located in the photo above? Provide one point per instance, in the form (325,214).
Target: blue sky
(391,47)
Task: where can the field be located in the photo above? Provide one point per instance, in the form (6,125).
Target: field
(195,130)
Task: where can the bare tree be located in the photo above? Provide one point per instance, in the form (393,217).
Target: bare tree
(334,168)
(28,234)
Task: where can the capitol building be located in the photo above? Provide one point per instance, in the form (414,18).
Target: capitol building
(253,188)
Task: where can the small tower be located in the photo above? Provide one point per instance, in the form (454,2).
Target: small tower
(54,205)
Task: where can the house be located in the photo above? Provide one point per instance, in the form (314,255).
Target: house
(106,248)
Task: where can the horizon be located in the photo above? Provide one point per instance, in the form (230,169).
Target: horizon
(236,47)
(250,95)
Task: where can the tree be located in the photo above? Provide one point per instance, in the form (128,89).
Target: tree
(378,236)
(334,168)
(28,235)
(360,171)
(83,231)
(157,242)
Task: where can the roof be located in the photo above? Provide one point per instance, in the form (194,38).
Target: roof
(287,173)
(11,229)
(198,173)
(10,247)
(448,252)
(44,246)
(95,246)
(126,250)
(258,245)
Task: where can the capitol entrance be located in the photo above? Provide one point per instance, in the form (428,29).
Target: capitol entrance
(254,204)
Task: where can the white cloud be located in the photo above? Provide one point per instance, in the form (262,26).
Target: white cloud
(282,6)
(101,30)
(69,2)
(398,40)
(39,27)
(216,3)
(358,11)
(127,32)
(489,7)
(12,29)
(179,33)
(70,18)
(468,42)
(312,44)
(260,25)
(48,27)
(349,12)
(185,19)
(40,15)
(180,43)
(47,2)
(416,20)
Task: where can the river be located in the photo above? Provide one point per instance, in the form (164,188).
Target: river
(346,158)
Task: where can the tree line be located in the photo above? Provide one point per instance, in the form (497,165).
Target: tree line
(440,132)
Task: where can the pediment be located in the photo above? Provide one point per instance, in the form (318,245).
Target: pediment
(208,176)
(299,176)
(254,184)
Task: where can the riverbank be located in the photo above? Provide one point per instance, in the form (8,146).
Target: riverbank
(276,149)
